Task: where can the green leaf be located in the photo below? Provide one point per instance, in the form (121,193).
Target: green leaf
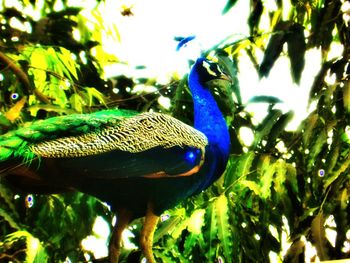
(253,186)
(334,176)
(267,176)
(265,99)
(58,64)
(265,127)
(309,126)
(190,242)
(323,21)
(229,5)
(255,15)
(274,47)
(66,59)
(278,128)
(50,108)
(224,231)
(296,50)
(57,92)
(231,68)
(333,155)
(94,93)
(281,174)
(238,167)
(212,228)
(179,228)
(77,102)
(35,251)
(9,219)
(167,226)
(319,236)
(196,221)
(320,140)
(39,65)
(346,95)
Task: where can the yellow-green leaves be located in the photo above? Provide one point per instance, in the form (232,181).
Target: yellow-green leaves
(77,102)
(319,236)
(268,174)
(100,32)
(346,96)
(223,225)
(35,252)
(219,229)
(54,74)
(196,222)
(92,93)
(293,35)
(68,64)
(14,112)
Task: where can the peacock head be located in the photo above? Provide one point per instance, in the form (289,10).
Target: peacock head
(205,70)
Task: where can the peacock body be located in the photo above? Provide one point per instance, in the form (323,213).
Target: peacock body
(140,164)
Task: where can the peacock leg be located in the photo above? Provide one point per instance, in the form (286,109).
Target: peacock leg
(147,232)
(123,219)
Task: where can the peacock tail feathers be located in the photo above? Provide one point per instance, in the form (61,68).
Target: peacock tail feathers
(15,144)
(88,134)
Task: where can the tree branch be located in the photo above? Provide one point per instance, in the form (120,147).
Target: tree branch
(22,77)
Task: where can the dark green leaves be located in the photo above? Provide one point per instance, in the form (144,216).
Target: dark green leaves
(293,35)
(265,99)
(274,48)
(296,50)
(318,233)
(255,16)
(229,5)
(323,21)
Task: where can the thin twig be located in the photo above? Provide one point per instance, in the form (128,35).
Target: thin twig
(22,77)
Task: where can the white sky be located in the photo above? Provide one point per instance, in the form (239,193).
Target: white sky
(147,38)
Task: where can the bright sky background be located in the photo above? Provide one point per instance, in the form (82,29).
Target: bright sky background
(147,38)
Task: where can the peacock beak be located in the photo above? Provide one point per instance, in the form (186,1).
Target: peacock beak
(224,76)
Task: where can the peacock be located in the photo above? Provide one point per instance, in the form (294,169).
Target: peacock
(141,164)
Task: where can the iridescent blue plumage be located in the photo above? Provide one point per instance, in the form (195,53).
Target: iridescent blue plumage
(141,164)
(208,117)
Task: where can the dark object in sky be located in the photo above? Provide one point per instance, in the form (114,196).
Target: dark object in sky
(184,41)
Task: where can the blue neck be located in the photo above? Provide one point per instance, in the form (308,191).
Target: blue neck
(208,117)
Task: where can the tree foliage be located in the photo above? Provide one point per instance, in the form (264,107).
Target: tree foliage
(279,194)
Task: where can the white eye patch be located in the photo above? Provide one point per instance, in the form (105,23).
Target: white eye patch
(206,65)
(212,69)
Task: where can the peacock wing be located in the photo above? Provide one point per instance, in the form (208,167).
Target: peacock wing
(146,145)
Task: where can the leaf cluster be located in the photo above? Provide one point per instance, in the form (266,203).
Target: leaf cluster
(279,194)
